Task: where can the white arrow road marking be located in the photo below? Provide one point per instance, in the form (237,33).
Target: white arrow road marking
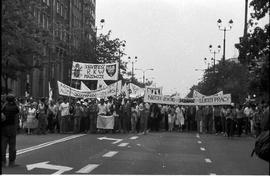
(203,149)
(110,154)
(133,137)
(207,160)
(46,144)
(199,142)
(123,144)
(45,165)
(112,139)
(87,169)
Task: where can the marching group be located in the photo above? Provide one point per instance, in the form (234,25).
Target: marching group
(66,115)
(42,116)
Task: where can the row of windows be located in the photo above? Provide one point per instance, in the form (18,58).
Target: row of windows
(61,10)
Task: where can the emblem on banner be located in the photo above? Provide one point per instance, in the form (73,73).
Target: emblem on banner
(111,70)
(77,70)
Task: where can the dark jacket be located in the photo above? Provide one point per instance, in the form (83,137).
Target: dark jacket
(10,110)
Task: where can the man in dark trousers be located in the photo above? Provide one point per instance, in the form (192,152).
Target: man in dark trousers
(9,126)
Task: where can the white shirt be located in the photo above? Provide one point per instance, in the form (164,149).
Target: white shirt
(64,109)
(102,109)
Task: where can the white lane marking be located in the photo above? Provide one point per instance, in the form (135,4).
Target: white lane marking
(45,165)
(123,144)
(197,135)
(207,160)
(112,139)
(133,137)
(46,144)
(110,154)
(203,149)
(212,174)
(199,142)
(138,144)
(87,169)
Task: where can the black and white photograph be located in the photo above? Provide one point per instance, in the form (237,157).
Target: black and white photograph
(135,87)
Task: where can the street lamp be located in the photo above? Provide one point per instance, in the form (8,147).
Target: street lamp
(132,60)
(224,29)
(214,52)
(144,70)
(102,21)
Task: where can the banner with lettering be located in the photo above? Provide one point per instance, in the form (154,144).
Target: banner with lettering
(154,90)
(88,71)
(207,100)
(84,87)
(111,90)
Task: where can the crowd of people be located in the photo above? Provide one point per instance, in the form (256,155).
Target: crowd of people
(42,116)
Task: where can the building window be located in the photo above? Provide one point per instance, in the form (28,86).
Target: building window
(57,7)
(60,35)
(61,10)
(38,16)
(44,21)
(47,22)
(48,2)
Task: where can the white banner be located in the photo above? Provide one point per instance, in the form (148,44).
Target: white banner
(209,100)
(84,87)
(111,90)
(105,122)
(154,90)
(197,94)
(88,71)
(135,91)
(101,84)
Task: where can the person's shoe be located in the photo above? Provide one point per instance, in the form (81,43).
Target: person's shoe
(12,164)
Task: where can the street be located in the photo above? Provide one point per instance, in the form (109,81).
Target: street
(159,153)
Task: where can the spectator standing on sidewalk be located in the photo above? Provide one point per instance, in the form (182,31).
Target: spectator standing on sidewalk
(229,121)
(77,117)
(93,110)
(31,121)
(9,129)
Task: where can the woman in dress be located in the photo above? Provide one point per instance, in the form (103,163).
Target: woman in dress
(171,118)
(31,121)
(180,120)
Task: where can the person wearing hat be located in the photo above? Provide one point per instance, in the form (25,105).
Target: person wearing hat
(8,129)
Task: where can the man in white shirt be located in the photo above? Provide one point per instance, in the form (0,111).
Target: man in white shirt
(102,108)
(64,112)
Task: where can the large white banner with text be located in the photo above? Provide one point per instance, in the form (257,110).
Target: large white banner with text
(111,90)
(88,71)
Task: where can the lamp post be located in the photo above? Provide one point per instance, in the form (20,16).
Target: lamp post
(214,52)
(224,29)
(132,60)
(144,70)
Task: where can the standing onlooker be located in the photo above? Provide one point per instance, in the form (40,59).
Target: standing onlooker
(42,117)
(229,121)
(247,116)
(180,120)
(199,117)
(8,129)
(77,117)
(265,123)
(134,117)
(51,115)
(93,109)
(239,119)
(217,119)
(64,112)
(127,116)
(31,121)
(171,118)
(223,120)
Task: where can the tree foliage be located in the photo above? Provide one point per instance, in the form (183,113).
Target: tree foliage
(254,50)
(22,37)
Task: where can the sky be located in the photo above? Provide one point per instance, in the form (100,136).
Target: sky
(172,36)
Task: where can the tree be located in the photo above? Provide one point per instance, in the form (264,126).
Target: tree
(254,50)
(111,50)
(229,77)
(22,38)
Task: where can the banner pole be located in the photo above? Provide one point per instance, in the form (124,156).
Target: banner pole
(70,83)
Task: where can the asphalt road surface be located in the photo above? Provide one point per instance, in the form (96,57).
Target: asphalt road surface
(158,153)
